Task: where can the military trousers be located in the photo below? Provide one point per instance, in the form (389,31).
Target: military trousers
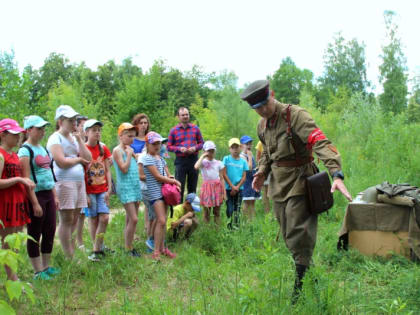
(298,227)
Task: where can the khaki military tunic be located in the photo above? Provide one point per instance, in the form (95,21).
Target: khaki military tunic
(287,183)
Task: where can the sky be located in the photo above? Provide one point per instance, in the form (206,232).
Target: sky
(249,38)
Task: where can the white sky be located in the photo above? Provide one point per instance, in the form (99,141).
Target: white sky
(248,37)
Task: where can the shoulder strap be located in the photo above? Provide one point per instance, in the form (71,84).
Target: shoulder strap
(289,129)
(31,156)
(51,164)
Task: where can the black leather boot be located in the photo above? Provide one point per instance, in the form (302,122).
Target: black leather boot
(300,273)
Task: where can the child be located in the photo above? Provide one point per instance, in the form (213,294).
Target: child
(266,201)
(128,184)
(157,173)
(80,121)
(14,188)
(36,162)
(142,124)
(249,195)
(70,154)
(212,192)
(148,211)
(183,220)
(234,174)
(98,188)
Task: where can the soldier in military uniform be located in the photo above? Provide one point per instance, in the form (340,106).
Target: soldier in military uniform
(289,135)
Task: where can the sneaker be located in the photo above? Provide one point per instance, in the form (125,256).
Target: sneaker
(133,253)
(150,243)
(102,253)
(42,275)
(51,271)
(168,253)
(156,255)
(82,248)
(106,249)
(94,257)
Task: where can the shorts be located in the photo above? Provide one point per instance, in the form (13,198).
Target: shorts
(97,205)
(152,202)
(71,195)
(148,207)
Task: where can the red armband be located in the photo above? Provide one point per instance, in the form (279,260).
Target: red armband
(315,136)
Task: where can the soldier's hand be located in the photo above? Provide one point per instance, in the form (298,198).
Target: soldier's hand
(339,185)
(258,182)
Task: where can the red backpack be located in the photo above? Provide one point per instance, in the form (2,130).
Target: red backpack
(171,194)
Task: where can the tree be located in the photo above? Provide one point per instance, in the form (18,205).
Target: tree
(56,68)
(413,109)
(15,90)
(393,70)
(344,68)
(289,81)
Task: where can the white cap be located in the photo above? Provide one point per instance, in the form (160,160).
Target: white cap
(209,145)
(90,123)
(65,111)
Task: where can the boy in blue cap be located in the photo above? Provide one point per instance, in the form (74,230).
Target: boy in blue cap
(249,195)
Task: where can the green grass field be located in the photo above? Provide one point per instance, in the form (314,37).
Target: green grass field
(222,272)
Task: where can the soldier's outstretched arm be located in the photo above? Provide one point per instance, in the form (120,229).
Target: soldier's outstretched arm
(315,139)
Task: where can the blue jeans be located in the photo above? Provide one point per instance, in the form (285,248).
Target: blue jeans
(233,203)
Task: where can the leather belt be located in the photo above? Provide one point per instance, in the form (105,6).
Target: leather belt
(294,163)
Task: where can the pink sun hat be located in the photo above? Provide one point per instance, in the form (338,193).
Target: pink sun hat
(11,126)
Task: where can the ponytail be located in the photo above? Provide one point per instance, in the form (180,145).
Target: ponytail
(101,149)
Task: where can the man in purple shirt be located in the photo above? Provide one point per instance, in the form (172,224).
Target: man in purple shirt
(185,141)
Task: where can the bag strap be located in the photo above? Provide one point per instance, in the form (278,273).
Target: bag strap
(289,133)
(51,164)
(171,208)
(31,156)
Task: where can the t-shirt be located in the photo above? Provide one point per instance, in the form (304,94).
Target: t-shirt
(42,166)
(138,145)
(235,169)
(178,214)
(154,187)
(95,175)
(143,185)
(210,169)
(70,150)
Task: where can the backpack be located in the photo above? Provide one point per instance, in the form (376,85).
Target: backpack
(31,157)
(171,194)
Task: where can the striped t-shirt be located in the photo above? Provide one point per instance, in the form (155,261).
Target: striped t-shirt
(154,187)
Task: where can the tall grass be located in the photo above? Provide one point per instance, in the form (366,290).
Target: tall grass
(246,272)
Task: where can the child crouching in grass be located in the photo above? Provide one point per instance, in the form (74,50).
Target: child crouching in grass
(183,221)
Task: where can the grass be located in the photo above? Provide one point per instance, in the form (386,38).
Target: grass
(223,272)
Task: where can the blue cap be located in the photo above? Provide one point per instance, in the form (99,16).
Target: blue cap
(194,201)
(34,121)
(246,139)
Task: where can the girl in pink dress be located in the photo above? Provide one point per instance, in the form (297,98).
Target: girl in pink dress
(212,192)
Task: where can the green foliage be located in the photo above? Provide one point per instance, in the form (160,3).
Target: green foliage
(289,81)
(393,70)
(11,258)
(14,88)
(344,69)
